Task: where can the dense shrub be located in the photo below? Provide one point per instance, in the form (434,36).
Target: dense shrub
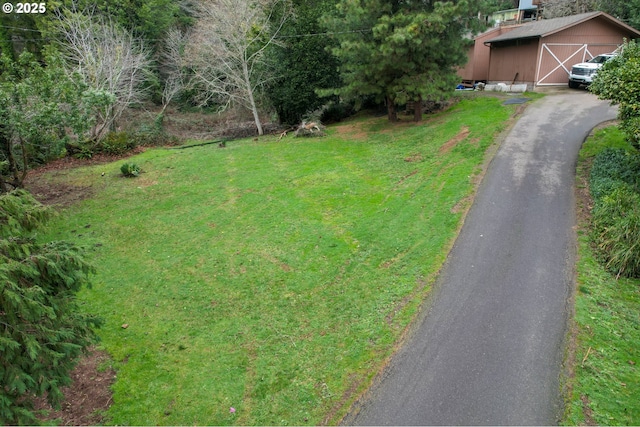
(122,142)
(619,81)
(153,138)
(41,106)
(117,143)
(153,134)
(611,167)
(42,329)
(616,231)
(615,187)
(334,112)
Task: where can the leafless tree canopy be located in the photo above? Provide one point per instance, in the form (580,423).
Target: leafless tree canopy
(559,8)
(170,65)
(227,46)
(109,59)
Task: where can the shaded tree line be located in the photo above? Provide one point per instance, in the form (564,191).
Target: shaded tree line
(289,57)
(627,11)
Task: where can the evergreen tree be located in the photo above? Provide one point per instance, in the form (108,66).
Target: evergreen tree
(627,11)
(42,330)
(400,51)
(303,63)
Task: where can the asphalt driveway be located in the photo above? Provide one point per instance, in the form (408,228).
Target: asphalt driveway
(488,348)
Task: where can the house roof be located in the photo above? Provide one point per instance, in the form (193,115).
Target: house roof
(546,27)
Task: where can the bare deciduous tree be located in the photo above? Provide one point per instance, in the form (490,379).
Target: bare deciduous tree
(559,8)
(171,60)
(109,59)
(226,49)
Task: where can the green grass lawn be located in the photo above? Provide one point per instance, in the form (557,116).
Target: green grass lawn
(274,277)
(605,387)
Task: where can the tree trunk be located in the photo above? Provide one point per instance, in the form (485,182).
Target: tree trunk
(6,146)
(252,102)
(391,109)
(13,175)
(417,110)
(256,117)
(25,164)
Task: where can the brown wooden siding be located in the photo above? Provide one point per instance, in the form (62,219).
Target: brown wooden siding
(477,66)
(466,72)
(595,31)
(514,62)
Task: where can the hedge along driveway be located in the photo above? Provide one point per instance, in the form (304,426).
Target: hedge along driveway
(274,278)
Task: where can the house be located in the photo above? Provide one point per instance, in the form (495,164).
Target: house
(527,11)
(541,53)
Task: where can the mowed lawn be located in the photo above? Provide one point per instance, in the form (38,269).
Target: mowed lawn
(272,277)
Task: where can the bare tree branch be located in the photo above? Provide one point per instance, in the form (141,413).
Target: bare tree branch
(108,58)
(559,8)
(228,45)
(171,60)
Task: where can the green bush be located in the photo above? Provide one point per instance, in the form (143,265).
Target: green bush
(42,329)
(616,230)
(152,137)
(130,170)
(630,123)
(615,187)
(80,149)
(604,186)
(612,167)
(336,112)
(619,81)
(117,143)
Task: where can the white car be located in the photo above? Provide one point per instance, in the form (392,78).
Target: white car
(583,73)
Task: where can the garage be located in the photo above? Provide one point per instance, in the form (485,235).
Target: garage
(541,53)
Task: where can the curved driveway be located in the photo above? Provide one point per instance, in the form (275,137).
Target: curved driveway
(489,347)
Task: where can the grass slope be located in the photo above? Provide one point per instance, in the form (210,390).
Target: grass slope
(604,388)
(272,277)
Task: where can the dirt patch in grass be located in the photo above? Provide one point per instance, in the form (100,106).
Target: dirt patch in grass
(58,194)
(588,413)
(462,205)
(354,131)
(88,396)
(49,192)
(414,158)
(349,394)
(361,130)
(450,144)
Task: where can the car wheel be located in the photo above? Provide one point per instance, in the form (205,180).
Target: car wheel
(574,85)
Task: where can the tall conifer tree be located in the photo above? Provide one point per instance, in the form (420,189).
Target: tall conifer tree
(400,51)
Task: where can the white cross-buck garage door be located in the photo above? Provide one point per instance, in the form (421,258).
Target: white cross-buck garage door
(556,59)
